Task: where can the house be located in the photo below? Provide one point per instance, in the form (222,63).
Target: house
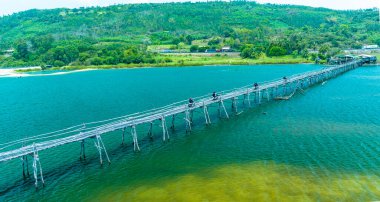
(340,59)
(226,49)
(370,46)
(367,59)
(166,51)
(346,57)
(210,51)
(8,52)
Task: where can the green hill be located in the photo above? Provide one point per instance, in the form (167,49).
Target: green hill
(125,33)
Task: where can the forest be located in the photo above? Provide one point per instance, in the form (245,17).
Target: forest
(140,33)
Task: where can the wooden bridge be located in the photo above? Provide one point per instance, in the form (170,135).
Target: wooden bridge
(250,95)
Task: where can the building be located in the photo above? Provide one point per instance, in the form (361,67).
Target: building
(226,49)
(368,59)
(8,52)
(370,47)
(340,59)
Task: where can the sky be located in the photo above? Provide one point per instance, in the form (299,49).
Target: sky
(12,6)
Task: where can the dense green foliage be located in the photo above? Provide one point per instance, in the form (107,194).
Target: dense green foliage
(123,33)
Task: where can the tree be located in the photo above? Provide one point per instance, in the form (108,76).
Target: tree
(214,41)
(277,51)
(324,49)
(203,49)
(96,61)
(22,51)
(246,52)
(251,51)
(181,45)
(61,34)
(71,53)
(111,60)
(194,48)
(305,53)
(189,39)
(41,44)
(58,63)
(84,56)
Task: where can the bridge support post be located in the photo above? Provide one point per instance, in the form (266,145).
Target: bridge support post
(284,90)
(36,167)
(276,92)
(224,108)
(165,132)
(25,165)
(191,116)
(150,132)
(234,104)
(122,136)
(100,145)
(207,116)
(187,121)
(272,93)
(267,92)
(134,137)
(219,110)
(248,98)
(259,96)
(82,150)
(173,122)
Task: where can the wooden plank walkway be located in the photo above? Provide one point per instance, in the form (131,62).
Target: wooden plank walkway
(263,92)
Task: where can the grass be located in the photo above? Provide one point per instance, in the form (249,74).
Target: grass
(199,60)
(189,60)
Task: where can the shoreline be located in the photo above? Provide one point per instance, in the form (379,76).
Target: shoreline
(164,65)
(6,73)
(23,71)
(184,60)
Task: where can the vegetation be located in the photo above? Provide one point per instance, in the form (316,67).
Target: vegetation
(137,34)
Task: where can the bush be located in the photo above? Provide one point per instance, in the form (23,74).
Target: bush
(305,53)
(214,41)
(149,60)
(249,51)
(295,54)
(58,63)
(96,61)
(194,48)
(203,49)
(277,51)
(167,60)
(111,60)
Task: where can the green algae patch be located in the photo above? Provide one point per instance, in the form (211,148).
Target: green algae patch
(253,182)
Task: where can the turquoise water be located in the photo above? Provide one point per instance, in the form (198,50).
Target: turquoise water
(323,145)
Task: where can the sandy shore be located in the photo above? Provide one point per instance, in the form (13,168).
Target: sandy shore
(12,72)
(9,73)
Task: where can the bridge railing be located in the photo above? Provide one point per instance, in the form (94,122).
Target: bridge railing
(89,128)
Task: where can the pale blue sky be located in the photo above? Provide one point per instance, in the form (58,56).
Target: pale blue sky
(11,6)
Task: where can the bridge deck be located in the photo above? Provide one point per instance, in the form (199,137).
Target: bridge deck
(78,133)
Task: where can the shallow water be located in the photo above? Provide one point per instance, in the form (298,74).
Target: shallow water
(323,145)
